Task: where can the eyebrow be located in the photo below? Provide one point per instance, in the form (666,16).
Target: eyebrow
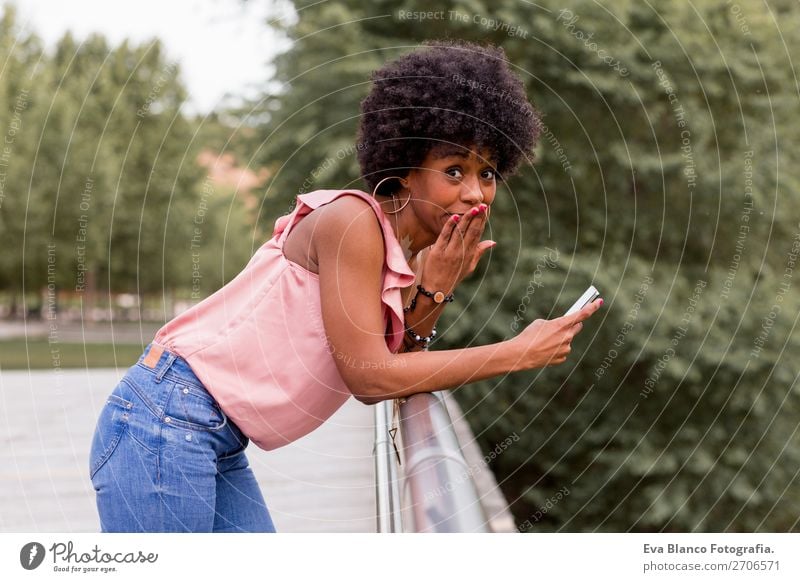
(450,151)
(454,151)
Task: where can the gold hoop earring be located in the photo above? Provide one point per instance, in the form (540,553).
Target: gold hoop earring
(374,190)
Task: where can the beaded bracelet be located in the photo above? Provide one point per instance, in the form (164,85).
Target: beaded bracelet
(421,289)
(422,341)
(438,297)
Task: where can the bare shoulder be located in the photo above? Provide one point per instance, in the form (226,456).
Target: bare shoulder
(349,225)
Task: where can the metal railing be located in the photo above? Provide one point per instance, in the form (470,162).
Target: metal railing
(438,491)
(387,489)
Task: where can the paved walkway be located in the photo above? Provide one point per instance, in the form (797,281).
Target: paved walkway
(321,483)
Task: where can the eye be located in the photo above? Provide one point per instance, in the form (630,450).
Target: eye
(488,174)
(454,172)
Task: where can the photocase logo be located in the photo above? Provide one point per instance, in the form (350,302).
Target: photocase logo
(31,555)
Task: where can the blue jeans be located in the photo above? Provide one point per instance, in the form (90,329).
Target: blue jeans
(165,458)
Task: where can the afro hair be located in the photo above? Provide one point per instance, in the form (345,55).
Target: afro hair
(445,92)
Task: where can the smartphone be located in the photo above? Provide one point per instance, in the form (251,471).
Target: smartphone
(588,296)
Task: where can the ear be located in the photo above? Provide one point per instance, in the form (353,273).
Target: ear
(409,180)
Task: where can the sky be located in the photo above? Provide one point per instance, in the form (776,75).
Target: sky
(223,46)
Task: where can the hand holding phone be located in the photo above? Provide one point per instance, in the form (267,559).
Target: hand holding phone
(588,296)
(547,342)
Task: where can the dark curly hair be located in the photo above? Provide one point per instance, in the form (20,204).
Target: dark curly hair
(448,91)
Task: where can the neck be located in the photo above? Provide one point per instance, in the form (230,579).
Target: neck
(406,227)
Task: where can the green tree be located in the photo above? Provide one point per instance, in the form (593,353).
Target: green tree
(666,165)
(102,186)
(20,113)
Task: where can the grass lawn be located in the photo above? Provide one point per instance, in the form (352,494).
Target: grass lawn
(38,354)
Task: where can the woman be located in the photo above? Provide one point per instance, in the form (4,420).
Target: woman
(335,304)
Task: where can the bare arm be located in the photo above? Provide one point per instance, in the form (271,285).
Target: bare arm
(349,245)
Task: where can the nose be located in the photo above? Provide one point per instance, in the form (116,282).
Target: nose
(471,192)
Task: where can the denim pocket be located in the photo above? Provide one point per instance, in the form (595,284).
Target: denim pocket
(110,427)
(192,408)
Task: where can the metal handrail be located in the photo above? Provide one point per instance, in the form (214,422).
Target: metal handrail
(439,490)
(387,490)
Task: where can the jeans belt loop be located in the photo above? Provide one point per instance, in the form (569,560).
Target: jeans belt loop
(167,363)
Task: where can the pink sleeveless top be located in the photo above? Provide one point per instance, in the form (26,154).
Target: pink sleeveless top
(259,346)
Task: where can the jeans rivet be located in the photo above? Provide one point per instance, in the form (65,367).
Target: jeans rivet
(167,419)
(188,437)
(185,390)
(129,406)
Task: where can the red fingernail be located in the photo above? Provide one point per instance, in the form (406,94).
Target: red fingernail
(601,301)
(475,211)
(456,218)
(484,207)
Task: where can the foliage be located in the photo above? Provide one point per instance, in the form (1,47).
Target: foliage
(101,191)
(667,156)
